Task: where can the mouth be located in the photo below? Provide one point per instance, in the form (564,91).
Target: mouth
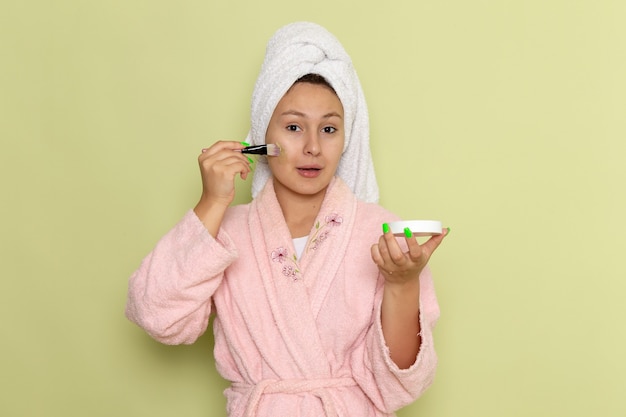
(309,171)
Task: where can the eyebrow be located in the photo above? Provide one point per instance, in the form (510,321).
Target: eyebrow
(300,114)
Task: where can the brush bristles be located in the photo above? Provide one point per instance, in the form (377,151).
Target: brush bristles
(273,150)
(269,149)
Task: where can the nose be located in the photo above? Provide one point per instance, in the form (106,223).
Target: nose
(312,144)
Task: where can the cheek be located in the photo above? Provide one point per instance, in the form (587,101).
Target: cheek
(276,163)
(287,151)
(336,151)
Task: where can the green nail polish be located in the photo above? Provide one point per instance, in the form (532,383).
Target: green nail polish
(448,231)
(245,143)
(385,228)
(407,232)
(250,159)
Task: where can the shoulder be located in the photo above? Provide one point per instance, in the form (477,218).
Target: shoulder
(370,218)
(372,212)
(366,212)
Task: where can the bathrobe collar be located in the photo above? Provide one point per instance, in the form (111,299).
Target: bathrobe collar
(295,287)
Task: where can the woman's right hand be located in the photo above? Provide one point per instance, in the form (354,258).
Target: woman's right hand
(219,165)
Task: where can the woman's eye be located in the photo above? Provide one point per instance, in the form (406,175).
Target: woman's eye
(329,129)
(293,128)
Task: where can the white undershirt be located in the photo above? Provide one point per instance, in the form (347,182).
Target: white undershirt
(299,244)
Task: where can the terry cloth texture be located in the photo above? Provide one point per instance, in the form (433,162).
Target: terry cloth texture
(306,48)
(295,337)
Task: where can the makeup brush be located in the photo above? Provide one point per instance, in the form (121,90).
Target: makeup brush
(268,149)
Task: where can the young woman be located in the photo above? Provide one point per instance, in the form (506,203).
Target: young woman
(317,311)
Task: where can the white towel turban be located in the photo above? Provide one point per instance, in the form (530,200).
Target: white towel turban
(306,48)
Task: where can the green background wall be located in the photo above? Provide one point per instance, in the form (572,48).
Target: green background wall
(504,119)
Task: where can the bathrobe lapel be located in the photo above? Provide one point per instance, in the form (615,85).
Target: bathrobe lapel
(328,242)
(296,289)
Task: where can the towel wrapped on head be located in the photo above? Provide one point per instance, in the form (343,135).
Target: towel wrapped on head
(306,48)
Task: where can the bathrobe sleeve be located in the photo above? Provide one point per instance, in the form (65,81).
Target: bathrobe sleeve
(387,386)
(400,387)
(169,296)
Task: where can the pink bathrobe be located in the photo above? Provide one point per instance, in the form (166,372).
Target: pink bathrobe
(296,337)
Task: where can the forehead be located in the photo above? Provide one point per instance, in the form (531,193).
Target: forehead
(311,96)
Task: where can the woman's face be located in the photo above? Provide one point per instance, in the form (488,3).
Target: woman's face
(307,124)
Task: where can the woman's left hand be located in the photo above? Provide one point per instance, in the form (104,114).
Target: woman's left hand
(398,266)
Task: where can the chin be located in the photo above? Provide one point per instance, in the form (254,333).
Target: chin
(312,190)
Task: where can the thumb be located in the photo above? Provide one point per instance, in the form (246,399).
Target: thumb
(433,243)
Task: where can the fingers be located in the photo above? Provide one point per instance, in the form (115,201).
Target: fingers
(222,154)
(390,249)
(219,164)
(389,255)
(376,256)
(416,252)
(223,150)
(433,243)
(382,261)
(222,145)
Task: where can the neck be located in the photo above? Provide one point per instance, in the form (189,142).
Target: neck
(300,211)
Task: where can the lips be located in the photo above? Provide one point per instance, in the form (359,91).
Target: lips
(309,171)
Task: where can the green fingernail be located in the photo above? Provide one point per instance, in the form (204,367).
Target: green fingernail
(385,228)
(448,231)
(245,143)
(407,232)
(250,159)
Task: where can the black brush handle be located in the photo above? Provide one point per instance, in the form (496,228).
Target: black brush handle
(255,150)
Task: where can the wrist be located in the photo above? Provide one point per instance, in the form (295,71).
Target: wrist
(402,281)
(408,288)
(210,214)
